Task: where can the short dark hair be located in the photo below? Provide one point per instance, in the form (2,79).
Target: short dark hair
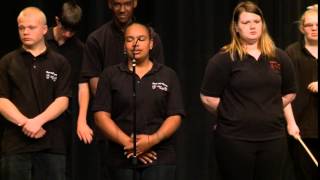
(70,15)
(148,28)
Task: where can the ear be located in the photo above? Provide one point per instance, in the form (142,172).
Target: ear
(301,29)
(45,29)
(57,19)
(151,44)
(110,4)
(135,3)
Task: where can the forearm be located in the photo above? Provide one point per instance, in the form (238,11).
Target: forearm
(288,114)
(292,127)
(210,103)
(11,112)
(54,110)
(167,129)
(83,99)
(110,129)
(287,99)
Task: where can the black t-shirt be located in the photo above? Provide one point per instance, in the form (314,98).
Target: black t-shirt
(105,47)
(158,96)
(32,84)
(305,105)
(250,93)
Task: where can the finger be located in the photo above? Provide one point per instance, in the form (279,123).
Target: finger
(152,156)
(153,153)
(142,160)
(146,158)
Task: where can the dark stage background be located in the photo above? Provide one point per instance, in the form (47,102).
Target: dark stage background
(191,31)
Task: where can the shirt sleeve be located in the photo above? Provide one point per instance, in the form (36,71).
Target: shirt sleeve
(102,100)
(217,75)
(288,74)
(175,101)
(4,82)
(91,62)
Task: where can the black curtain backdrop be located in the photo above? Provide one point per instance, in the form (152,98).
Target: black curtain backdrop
(191,31)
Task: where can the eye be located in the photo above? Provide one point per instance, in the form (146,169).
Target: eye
(129,39)
(142,38)
(244,22)
(21,28)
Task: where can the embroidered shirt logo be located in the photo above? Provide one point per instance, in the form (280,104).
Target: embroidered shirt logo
(274,65)
(160,85)
(51,75)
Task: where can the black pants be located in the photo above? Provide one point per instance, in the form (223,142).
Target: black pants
(248,160)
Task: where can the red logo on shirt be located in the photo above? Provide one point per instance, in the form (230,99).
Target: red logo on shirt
(274,65)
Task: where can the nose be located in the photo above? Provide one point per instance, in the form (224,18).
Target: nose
(122,8)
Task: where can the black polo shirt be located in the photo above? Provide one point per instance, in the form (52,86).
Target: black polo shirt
(158,96)
(72,50)
(250,94)
(32,84)
(305,105)
(105,47)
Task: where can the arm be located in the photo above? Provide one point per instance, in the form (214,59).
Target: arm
(110,129)
(146,142)
(84,132)
(210,103)
(287,99)
(55,109)
(292,127)
(94,84)
(12,114)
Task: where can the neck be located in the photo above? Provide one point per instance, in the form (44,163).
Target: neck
(253,50)
(59,39)
(312,47)
(311,43)
(142,67)
(35,50)
(122,26)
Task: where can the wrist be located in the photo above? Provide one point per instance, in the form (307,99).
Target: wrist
(22,122)
(155,138)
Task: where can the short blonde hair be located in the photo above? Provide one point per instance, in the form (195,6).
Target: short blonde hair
(310,10)
(33,11)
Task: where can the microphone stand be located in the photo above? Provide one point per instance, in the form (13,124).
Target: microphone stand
(134,125)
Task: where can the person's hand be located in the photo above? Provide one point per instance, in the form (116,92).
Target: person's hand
(31,128)
(148,157)
(313,87)
(40,133)
(293,130)
(144,143)
(85,133)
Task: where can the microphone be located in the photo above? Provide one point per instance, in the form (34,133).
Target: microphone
(134,62)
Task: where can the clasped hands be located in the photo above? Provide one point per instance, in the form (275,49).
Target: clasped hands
(144,143)
(33,129)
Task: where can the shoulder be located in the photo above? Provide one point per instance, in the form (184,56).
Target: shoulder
(220,58)
(56,58)
(294,46)
(102,30)
(281,54)
(11,56)
(111,71)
